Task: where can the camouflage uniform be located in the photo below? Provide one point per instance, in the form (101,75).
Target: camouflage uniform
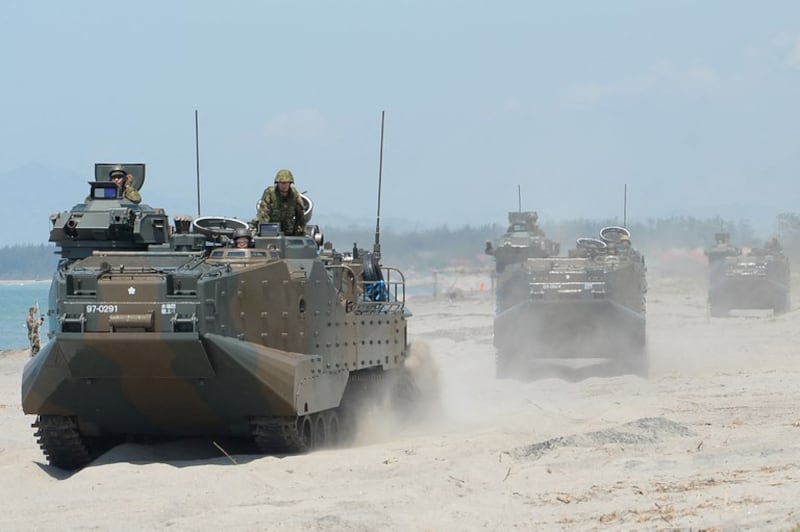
(287,210)
(129,192)
(33,330)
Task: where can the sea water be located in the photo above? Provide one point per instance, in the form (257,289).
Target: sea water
(16,297)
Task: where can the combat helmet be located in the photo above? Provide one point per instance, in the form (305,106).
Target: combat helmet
(283,176)
(118,169)
(242,232)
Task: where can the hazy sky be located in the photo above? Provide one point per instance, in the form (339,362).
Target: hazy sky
(693,104)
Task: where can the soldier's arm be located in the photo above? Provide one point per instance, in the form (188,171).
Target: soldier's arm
(263,207)
(133,195)
(130,191)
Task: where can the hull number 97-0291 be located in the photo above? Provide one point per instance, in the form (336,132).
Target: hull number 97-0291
(101,309)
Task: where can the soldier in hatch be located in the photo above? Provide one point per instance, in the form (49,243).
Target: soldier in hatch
(282,204)
(124,182)
(241,238)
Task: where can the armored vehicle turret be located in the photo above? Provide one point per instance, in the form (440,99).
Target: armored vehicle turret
(524,239)
(755,278)
(169,332)
(590,304)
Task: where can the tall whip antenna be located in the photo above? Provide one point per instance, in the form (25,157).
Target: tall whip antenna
(625,207)
(197,156)
(519,197)
(376,249)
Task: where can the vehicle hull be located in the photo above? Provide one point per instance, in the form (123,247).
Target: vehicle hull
(173,384)
(748,293)
(569,329)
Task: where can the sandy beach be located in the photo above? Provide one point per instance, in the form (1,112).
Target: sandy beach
(710,440)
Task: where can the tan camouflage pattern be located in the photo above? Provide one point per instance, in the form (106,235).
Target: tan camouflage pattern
(33,323)
(284,176)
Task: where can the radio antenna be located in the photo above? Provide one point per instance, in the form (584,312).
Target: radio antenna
(197,156)
(519,197)
(376,249)
(625,207)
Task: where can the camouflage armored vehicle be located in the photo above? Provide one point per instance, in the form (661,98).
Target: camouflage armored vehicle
(160,332)
(756,278)
(523,240)
(590,304)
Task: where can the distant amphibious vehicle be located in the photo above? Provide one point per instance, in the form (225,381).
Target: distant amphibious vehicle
(590,304)
(755,278)
(169,332)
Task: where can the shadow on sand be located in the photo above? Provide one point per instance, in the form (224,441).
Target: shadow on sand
(178,453)
(575,370)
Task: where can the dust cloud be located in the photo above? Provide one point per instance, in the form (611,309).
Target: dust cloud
(709,439)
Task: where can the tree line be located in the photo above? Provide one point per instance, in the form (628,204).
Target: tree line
(444,246)
(28,262)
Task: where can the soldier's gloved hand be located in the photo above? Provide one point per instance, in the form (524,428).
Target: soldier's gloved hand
(128,180)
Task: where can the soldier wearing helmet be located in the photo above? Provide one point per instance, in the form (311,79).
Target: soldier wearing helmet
(124,182)
(242,238)
(282,204)
(625,243)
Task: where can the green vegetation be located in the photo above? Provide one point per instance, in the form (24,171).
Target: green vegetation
(443,246)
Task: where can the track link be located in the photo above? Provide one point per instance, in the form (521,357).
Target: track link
(277,434)
(61,442)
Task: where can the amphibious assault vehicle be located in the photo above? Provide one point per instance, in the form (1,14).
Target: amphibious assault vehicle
(171,332)
(523,240)
(590,304)
(755,278)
